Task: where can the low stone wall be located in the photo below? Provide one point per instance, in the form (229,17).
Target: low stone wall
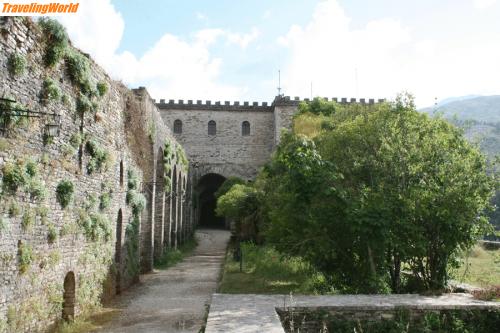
(259,313)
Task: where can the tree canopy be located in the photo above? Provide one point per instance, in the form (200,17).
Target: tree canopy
(363,192)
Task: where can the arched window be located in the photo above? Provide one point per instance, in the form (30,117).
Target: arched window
(245,128)
(177,126)
(121,173)
(212,127)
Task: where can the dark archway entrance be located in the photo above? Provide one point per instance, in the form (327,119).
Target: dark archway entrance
(68,312)
(207,186)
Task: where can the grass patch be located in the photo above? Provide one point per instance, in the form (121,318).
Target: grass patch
(266,271)
(480,268)
(171,257)
(86,324)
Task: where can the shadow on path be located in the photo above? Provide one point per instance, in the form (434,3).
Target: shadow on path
(173,300)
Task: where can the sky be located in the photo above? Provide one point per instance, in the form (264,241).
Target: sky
(233,50)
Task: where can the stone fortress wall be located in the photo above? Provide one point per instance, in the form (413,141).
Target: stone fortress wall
(229,152)
(57,262)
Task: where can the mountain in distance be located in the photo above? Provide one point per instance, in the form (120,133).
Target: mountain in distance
(478,108)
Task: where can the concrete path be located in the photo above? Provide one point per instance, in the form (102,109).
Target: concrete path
(173,300)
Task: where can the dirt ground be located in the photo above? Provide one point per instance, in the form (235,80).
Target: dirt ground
(173,300)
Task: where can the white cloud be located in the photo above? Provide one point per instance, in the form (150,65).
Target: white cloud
(483,4)
(243,39)
(97,28)
(172,68)
(381,59)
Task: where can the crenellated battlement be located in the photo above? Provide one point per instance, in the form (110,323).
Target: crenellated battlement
(249,106)
(212,105)
(296,100)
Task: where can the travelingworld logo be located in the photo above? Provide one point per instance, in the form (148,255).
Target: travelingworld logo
(38,8)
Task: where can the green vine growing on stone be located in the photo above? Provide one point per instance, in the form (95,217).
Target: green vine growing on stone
(168,156)
(26,257)
(137,202)
(64,193)
(56,41)
(16,64)
(98,156)
(50,91)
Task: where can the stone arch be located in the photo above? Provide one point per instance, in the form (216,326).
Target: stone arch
(177,126)
(118,250)
(212,127)
(68,312)
(245,128)
(206,187)
(159,223)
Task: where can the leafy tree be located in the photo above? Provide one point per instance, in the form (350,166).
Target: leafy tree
(241,204)
(226,186)
(381,187)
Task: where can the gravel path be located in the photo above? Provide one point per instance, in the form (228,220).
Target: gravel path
(173,300)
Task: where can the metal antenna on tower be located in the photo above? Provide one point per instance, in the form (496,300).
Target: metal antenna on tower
(279,82)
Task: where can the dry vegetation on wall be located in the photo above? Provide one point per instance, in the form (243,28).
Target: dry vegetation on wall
(60,194)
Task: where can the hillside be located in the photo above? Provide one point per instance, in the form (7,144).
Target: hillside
(482,109)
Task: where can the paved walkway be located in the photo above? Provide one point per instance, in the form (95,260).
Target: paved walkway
(173,300)
(257,313)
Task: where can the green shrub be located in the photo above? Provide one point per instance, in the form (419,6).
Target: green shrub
(65,100)
(16,64)
(50,90)
(36,189)
(4,225)
(31,168)
(102,88)
(68,150)
(43,212)
(97,227)
(78,68)
(26,257)
(132,181)
(13,118)
(64,193)
(76,140)
(181,158)
(83,105)
(57,40)
(51,233)
(28,220)
(14,209)
(14,176)
(136,201)
(104,200)
(99,156)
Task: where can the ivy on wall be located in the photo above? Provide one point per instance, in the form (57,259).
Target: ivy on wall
(137,202)
(168,156)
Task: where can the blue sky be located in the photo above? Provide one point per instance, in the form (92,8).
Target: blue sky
(232,50)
